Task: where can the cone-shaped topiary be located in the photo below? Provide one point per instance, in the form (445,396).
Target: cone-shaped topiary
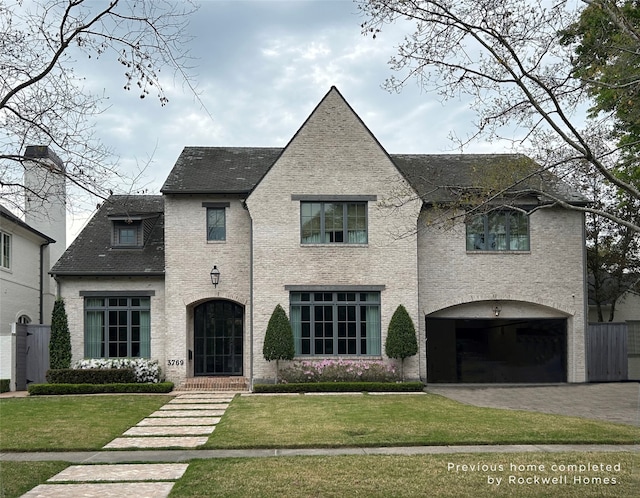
(401,337)
(60,341)
(278,340)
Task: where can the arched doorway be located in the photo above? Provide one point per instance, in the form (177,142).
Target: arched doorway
(218,337)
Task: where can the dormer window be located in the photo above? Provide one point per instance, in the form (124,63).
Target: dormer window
(126,234)
(131,232)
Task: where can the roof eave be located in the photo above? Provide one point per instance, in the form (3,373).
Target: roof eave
(80,273)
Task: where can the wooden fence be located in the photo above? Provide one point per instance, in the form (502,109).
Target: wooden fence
(607,357)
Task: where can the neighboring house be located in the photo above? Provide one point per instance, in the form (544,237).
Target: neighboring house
(28,249)
(339,233)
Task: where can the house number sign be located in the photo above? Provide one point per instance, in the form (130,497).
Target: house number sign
(175,363)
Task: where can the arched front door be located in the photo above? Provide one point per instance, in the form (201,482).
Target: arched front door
(218,335)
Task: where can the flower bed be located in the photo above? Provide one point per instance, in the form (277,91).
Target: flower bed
(328,370)
(145,370)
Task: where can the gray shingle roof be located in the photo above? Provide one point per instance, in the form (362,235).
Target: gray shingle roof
(237,170)
(91,252)
(438,178)
(215,170)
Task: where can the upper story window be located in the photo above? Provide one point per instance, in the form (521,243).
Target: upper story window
(498,231)
(216,220)
(131,231)
(127,233)
(333,222)
(5,250)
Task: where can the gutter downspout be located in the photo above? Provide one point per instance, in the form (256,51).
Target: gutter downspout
(250,302)
(42,277)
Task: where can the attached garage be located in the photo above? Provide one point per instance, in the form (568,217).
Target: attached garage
(496,350)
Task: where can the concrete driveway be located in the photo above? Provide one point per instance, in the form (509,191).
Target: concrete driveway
(611,402)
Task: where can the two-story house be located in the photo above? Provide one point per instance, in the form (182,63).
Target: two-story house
(340,233)
(29,247)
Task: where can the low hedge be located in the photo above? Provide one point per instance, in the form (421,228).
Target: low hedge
(57,389)
(326,387)
(4,385)
(91,376)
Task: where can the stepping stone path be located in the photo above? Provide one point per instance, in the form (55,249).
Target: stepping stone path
(184,422)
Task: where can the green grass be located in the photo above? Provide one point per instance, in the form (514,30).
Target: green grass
(70,423)
(397,420)
(16,478)
(405,476)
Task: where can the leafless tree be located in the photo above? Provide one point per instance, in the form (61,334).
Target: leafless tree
(43,100)
(506,56)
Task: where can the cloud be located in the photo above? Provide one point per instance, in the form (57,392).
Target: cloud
(259,69)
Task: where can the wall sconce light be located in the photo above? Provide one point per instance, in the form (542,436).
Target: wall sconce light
(496,310)
(215,276)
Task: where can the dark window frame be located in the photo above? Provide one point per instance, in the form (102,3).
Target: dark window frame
(334,222)
(336,323)
(216,233)
(117,326)
(502,230)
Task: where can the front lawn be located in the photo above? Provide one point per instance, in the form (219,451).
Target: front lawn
(16,478)
(300,421)
(453,475)
(70,423)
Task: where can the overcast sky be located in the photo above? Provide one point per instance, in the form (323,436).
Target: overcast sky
(260,67)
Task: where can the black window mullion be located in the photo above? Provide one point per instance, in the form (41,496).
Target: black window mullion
(323,236)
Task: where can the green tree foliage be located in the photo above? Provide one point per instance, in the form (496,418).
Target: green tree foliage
(513,60)
(607,60)
(60,342)
(278,340)
(401,337)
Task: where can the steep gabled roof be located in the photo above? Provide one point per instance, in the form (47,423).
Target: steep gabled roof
(91,253)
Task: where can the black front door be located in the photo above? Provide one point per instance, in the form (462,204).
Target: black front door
(218,334)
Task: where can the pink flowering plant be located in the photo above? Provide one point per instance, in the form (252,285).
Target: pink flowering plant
(339,370)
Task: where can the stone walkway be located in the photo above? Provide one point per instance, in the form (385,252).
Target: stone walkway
(184,423)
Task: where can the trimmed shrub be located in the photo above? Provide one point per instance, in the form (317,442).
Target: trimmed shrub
(60,340)
(278,339)
(339,371)
(60,389)
(343,387)
(91,376)
(4,385)
(401,338)
(145,370)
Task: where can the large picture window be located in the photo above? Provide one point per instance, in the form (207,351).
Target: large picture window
(498,231)
(117,327)
(336,323)
(333,222)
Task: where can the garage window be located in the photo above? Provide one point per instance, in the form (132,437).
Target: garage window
(498,231)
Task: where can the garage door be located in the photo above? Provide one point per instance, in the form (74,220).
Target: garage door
(496,350)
